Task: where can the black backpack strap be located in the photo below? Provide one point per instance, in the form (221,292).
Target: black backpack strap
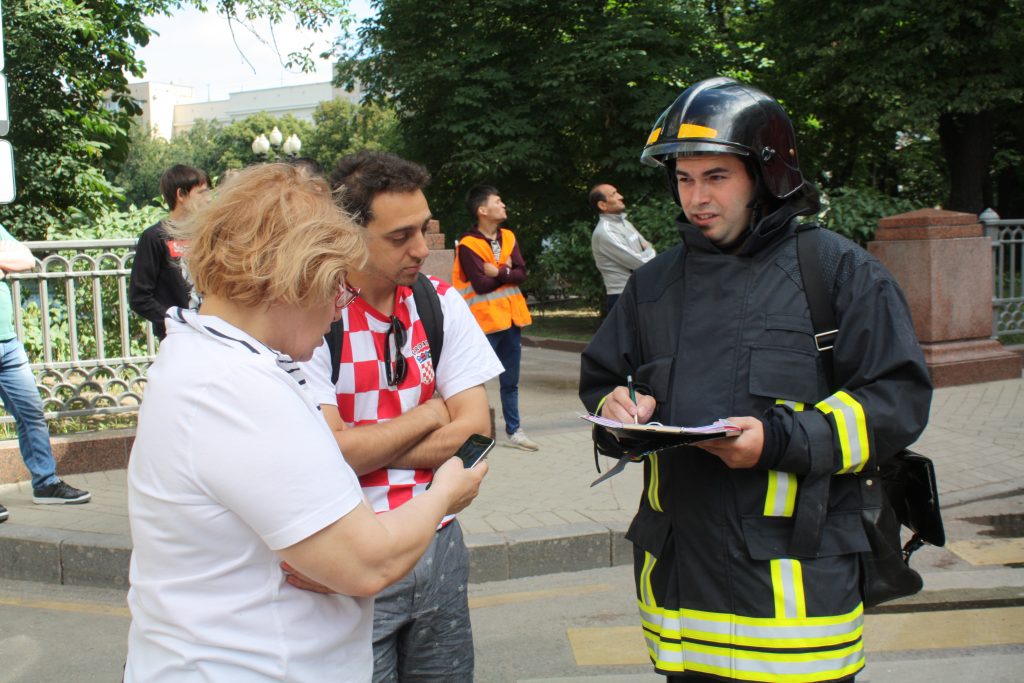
(823,318)
(428,305)
(809,521)
(335,339)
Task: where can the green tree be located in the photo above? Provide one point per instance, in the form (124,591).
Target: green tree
(884,82)
(67,64)
(342,128)
(538,98)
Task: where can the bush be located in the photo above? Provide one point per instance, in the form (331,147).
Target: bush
(855,211)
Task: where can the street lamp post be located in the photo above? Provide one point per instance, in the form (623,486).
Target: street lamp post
(271,146)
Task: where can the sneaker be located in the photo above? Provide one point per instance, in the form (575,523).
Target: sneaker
(60,494)
(4,514)
(519,439)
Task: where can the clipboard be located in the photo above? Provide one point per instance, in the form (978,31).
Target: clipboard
(665,435)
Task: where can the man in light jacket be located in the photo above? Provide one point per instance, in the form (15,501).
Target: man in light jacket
(618,248)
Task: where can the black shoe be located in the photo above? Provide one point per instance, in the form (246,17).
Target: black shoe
(4,514)
(60,494)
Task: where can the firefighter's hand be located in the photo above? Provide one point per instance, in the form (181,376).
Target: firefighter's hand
(739,452)
(618,406)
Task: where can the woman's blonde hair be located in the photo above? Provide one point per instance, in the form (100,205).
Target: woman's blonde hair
(272,233)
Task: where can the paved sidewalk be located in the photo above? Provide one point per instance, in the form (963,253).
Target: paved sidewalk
(536,513)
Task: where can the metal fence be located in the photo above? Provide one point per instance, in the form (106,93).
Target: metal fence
(1007,251)
(89,352)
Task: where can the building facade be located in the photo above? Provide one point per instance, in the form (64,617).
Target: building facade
(169,109)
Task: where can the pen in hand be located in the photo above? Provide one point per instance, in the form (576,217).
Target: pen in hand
(632,397)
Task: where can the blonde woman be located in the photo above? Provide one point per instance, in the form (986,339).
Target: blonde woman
(234,471)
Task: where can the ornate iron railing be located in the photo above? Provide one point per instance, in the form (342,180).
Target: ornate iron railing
(87,349)
(1007,256)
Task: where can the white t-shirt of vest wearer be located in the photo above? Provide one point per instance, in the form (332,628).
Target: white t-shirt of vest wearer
(233,461)
(362,393)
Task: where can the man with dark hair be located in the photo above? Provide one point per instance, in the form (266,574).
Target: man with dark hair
(746,549)
(391,429)
(21,396)
(487,272)
(618,247)
(156,283)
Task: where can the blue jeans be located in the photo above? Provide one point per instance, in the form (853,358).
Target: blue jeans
(21,399)
(508,345)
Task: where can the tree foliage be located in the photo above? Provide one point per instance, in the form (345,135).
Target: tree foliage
(67,64)
(338,127)
(341,127)
(538,98)
(899,86)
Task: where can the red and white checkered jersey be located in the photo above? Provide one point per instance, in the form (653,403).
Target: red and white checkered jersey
(362,394)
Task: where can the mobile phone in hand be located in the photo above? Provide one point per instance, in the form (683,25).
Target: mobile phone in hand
(474,449)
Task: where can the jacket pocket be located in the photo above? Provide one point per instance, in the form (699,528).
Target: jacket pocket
(656,376)
(767,538)
(649,531)
(786,373)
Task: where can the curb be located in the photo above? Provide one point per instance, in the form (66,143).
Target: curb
(83,558)
(555,344)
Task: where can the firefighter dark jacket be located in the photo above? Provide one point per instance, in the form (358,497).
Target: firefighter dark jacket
(752,574)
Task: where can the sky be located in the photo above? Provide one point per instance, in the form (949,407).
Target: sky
(196,49)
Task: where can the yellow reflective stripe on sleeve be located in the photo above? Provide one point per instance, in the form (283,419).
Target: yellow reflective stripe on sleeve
(797,406)
(780,500)
(851,428)
(788,586)
(652,485)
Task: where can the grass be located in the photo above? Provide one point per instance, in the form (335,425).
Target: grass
(564,320)
(74,425)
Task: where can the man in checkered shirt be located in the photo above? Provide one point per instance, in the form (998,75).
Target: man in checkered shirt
(390,426)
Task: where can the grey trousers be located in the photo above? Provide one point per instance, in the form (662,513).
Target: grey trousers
(421,629)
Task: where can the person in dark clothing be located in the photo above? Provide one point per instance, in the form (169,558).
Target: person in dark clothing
(156,281)
(746,548)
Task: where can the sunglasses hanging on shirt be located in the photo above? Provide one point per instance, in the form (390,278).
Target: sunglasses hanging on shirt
(394,371)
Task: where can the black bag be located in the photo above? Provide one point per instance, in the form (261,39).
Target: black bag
(902,493)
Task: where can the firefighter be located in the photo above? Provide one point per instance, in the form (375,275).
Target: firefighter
(746,548)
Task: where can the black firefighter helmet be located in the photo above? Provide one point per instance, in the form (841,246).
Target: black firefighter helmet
(723,116)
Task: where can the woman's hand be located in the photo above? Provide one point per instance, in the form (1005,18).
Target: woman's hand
(295,578)
(459,484)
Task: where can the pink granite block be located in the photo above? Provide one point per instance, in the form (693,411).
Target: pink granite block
(947,282)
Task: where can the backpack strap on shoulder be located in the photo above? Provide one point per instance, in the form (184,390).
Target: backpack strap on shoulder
(823,318)
(428,305)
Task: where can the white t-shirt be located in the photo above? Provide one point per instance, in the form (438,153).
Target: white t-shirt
(362,393)
(233,461)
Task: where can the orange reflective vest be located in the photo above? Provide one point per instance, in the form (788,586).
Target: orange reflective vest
(504,307)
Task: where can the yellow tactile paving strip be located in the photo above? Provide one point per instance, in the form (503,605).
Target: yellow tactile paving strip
(990,551)
(882,633)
